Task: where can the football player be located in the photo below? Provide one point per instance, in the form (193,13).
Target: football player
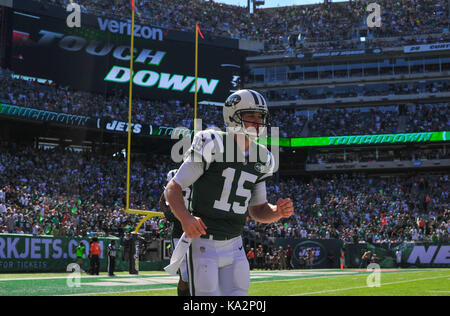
(177,231)
(224,193)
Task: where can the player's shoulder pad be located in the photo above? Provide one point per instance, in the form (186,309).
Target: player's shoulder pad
(206,144)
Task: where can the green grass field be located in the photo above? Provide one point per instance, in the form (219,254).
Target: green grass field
(348,282)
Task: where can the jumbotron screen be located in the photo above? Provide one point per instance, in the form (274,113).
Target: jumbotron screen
(97,58)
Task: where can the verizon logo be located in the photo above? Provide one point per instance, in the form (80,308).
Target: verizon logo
(122,27)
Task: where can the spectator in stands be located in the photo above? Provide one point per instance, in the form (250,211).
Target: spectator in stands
(325,26)
(324,122)
(40,198)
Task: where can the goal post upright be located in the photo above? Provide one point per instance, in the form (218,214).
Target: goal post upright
(148,214)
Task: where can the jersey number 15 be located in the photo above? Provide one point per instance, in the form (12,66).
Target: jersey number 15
(237,208)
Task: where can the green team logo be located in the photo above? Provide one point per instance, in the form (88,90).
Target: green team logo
(233,100)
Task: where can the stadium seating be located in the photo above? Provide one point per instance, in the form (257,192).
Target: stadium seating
(321,122)
(322,26)
(62,192)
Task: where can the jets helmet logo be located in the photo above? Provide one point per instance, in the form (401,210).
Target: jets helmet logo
(233,100)
(259,167)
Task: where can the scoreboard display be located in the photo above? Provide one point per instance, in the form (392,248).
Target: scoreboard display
(96,57)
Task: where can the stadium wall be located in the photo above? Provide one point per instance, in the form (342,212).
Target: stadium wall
(327,253)
(413,255)
(28,253)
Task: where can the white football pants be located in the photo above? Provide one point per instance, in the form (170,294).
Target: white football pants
(218,268)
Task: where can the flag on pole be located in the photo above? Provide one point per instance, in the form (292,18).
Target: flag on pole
(200,32)
(132,4)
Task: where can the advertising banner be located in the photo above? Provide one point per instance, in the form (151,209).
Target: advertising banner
(369,139)
(425,255)
(339,53)
(96,123)
(28,253)
(325,252)
(360,139)
(47,116)
(97,59)
(426,47)
(405,255)
(168,131)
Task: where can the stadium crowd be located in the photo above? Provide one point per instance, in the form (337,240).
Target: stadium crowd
(353,122)
(51,97)
(361,90)
(426,117)
(399,154)
(291,122)
(337,24)
(364,209)
(385,119)
(38,194)
(67,193)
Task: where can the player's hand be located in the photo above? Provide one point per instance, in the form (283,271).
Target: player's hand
(194,227)
(285,207)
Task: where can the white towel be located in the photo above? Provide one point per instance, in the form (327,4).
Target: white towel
(178,254)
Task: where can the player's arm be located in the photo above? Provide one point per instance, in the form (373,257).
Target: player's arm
(174,195)
(188,173)
(268,213)
(197,161)
(264,212)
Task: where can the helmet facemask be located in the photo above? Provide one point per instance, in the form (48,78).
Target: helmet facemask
(251,132)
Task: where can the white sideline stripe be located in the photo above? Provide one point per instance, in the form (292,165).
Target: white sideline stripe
(363,287)
(171,288)
(120,292)
(320,274)
(83,276)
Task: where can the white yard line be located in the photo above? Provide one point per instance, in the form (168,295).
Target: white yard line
(120,292)
(256,274)
(363,287)
(83,276)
